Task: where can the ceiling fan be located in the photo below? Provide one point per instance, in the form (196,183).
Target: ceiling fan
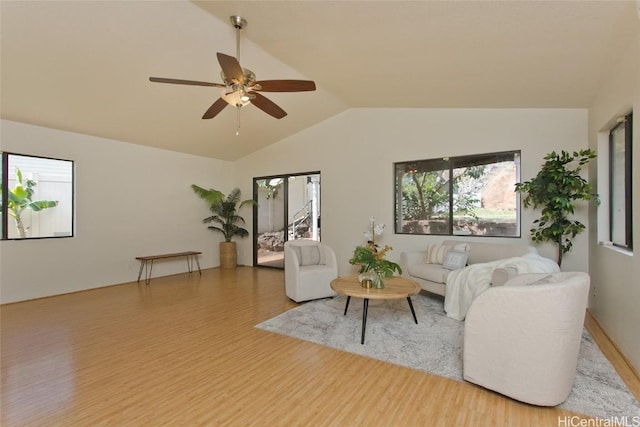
(240,86)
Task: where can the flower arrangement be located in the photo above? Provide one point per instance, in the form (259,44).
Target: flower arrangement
(371,258)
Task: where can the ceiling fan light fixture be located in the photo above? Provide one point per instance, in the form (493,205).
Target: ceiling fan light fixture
(237,98)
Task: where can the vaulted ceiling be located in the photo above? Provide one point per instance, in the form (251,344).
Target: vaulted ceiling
(83,66)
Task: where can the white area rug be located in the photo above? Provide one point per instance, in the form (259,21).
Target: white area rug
(434,345)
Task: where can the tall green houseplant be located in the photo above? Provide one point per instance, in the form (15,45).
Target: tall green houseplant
(225,214)
(556,188)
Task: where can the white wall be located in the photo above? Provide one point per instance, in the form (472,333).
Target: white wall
(127,194)
(355,152)
(130,201)
(615,285)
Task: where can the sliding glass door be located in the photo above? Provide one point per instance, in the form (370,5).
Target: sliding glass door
(288,208)
(268,221)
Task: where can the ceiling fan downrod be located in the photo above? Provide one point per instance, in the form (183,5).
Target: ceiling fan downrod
(238,23)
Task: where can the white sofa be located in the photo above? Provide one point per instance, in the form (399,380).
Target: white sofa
(522,339)
(432,276)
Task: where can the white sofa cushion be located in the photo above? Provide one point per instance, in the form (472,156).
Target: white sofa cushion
(529,279)
(487,252)
(433,272)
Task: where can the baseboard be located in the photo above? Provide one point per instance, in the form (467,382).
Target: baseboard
(620,362)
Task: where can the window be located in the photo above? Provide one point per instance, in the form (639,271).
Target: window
(467,195)
(37,197)
(620,196)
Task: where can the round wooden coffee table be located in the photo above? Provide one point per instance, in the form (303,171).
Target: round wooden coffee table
(394,288)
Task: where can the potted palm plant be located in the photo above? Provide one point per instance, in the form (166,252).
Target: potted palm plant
(225,214)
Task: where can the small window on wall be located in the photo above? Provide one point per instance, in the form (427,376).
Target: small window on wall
(466,195)
(37,197)
(620,195)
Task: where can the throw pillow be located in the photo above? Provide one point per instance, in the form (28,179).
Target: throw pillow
(312,255)
(461,247)
(455,259)
(435,253)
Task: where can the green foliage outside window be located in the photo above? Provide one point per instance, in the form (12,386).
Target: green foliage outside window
(20,198)
(449,195)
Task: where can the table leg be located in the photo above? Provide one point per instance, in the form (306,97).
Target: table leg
(412,310)
(346,306)
(364,318)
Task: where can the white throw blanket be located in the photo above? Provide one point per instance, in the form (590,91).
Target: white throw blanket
(465,284)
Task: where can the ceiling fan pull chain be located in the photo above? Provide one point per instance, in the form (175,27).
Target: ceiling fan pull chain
(238,126)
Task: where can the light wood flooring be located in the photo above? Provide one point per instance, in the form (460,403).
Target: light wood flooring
(184,352)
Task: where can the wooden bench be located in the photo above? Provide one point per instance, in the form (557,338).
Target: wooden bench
(146,262)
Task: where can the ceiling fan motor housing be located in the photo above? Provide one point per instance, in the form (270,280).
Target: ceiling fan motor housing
(249,76)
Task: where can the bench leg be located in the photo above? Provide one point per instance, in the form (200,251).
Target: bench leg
(190,262)
(142,264)
(198,264)
(148,273)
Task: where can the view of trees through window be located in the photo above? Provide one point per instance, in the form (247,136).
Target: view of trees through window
(468,195)
(37,197)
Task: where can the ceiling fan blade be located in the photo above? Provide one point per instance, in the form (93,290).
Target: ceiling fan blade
(286,85)
(231,68)
(268,106)
(215,108)
(184,82)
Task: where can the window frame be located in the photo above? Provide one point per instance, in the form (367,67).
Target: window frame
(5,219)
(626,123)
(451,163)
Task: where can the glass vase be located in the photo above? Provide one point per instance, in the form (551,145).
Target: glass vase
(378,283)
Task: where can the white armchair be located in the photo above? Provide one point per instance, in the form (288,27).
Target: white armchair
(309,268)
(522,339)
